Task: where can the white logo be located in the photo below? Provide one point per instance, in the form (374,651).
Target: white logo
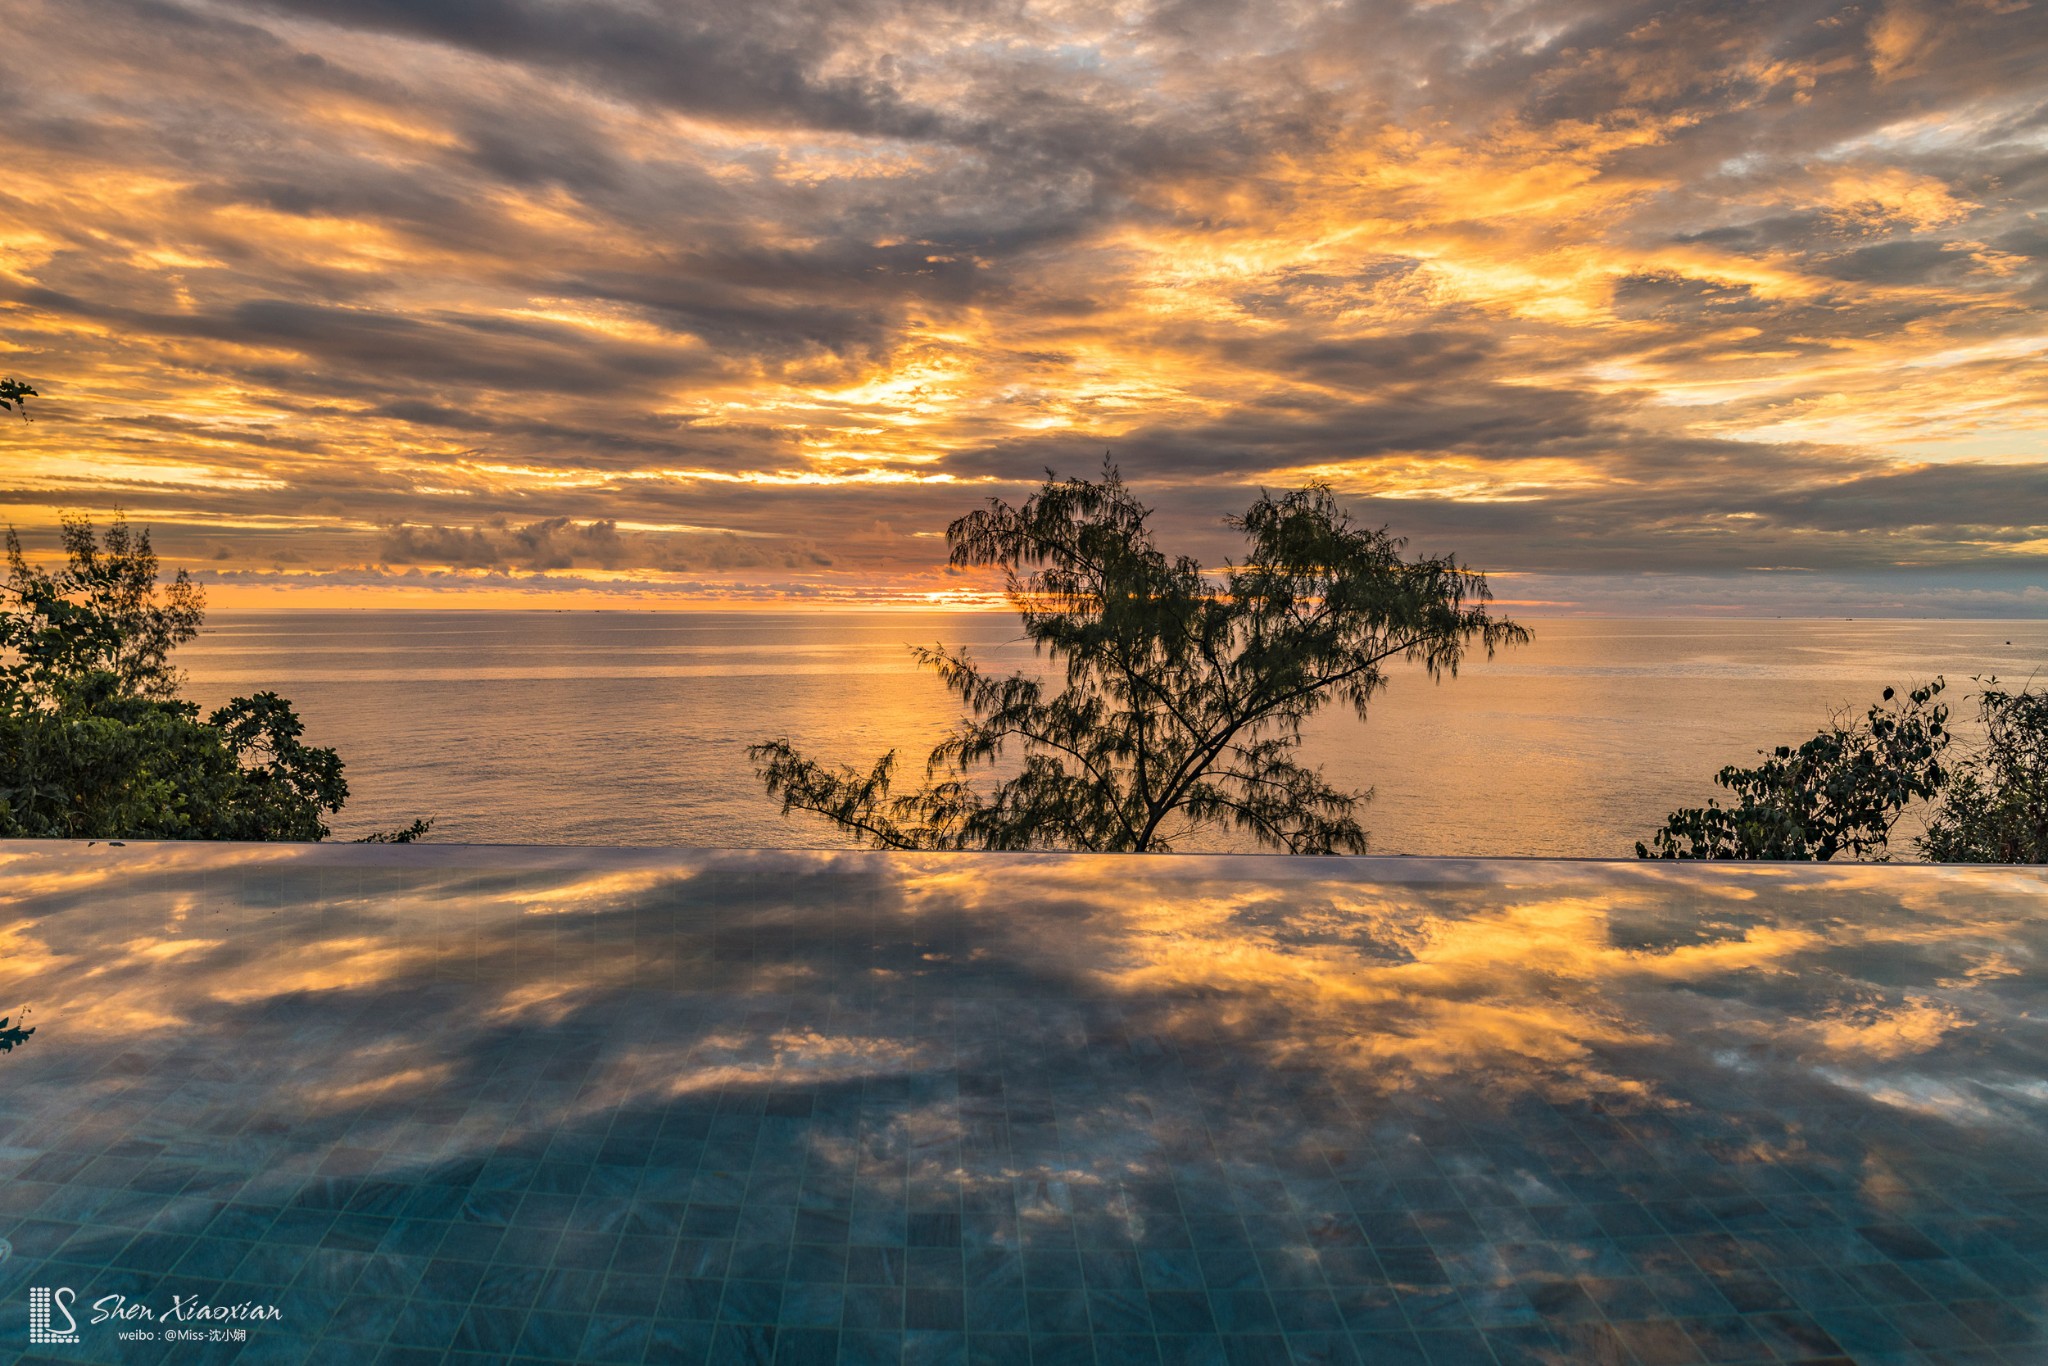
(41,1302)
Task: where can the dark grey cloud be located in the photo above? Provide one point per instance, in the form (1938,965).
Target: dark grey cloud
(731,61)
(552,543)
(559,543)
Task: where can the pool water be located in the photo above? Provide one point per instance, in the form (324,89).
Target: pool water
(470,1104)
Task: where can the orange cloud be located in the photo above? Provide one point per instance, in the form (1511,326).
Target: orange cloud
(290,278)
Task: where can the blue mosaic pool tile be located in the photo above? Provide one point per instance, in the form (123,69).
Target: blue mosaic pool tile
(930,1141)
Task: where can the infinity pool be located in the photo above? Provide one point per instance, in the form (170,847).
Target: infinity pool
(447,1104)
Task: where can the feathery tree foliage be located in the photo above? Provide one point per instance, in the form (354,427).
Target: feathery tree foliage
(100,614)
(1840,792)
(94,740)
(14,396)
(1995,807)
(12,1035)
(1184,692)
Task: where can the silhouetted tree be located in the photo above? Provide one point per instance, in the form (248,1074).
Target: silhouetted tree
(1842,791)
(1995,807)
(94,741)
(14,396)
(1185,692)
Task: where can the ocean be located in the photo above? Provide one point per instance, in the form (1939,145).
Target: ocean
(631,728)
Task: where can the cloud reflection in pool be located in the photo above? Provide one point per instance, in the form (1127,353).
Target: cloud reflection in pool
(1330,1106)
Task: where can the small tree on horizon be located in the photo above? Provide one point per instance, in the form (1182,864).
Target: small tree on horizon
(100,613)
(1184,692)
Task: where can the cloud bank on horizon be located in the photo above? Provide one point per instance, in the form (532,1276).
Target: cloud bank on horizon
(1629,304)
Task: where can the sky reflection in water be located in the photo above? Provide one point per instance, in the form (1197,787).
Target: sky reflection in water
(618,1104)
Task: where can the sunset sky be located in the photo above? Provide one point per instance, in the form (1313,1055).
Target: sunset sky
(1637,307)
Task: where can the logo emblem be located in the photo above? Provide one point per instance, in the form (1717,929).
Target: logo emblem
(43,1302)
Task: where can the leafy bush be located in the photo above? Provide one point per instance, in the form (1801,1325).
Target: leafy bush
(94,741)
(1995,807)
(1840,792)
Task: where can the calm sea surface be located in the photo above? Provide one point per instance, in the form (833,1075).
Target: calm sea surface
(630,728)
